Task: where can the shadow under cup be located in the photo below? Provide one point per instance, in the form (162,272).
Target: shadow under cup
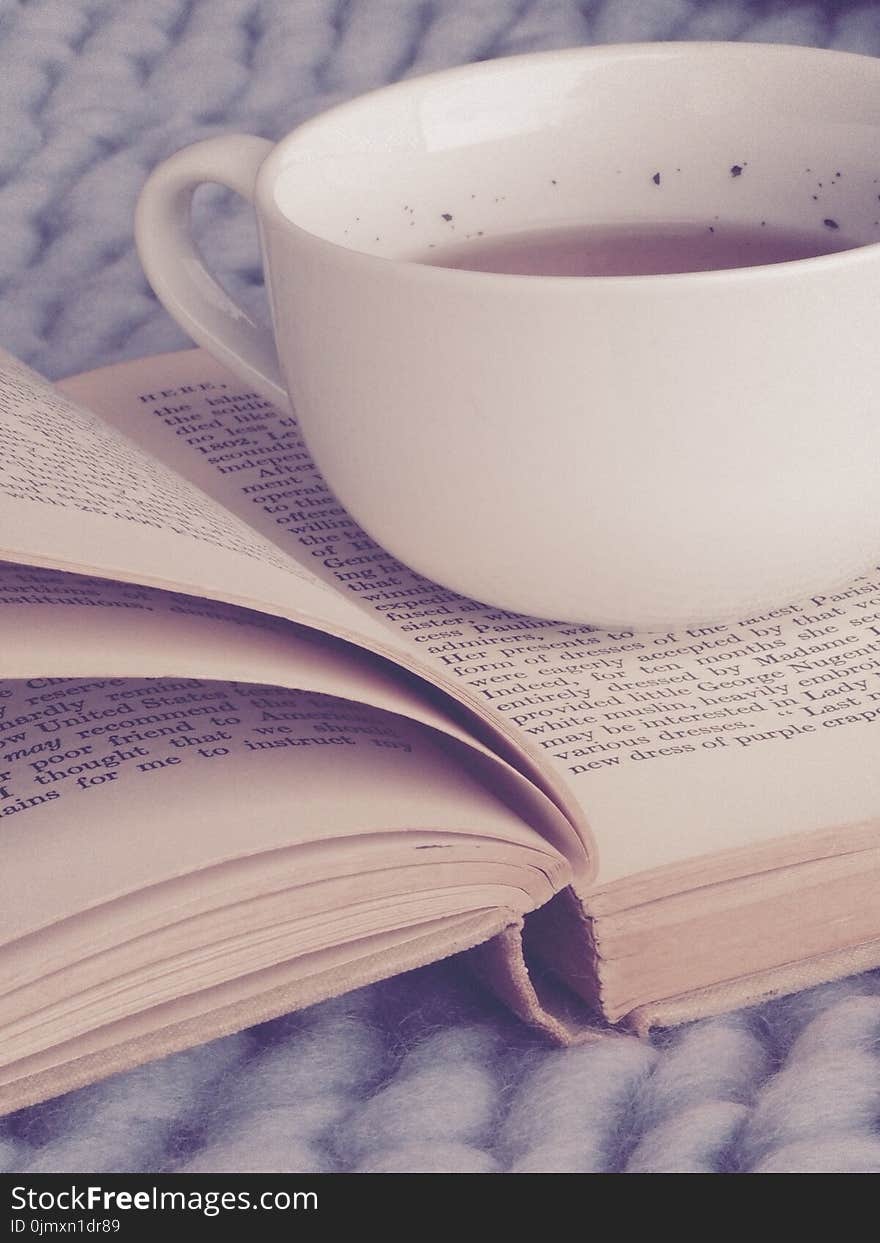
(639,450)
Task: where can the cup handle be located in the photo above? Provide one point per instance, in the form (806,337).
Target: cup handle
(177,271)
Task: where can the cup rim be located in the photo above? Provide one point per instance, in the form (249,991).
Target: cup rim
(277,159)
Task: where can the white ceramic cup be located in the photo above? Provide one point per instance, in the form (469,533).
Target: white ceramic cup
(645,450)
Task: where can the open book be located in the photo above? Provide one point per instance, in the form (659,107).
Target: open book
(248,760)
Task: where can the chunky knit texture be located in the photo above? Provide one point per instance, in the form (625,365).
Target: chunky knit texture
(424,1072)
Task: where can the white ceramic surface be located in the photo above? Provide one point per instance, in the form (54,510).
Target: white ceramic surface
(639,450)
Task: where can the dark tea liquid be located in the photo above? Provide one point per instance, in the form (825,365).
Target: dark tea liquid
(628,250)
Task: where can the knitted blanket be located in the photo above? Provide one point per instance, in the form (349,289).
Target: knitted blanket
(423,1072)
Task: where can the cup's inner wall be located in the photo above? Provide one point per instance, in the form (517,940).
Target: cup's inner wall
(730,134)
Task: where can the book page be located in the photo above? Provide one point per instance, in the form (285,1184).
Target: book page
(676,745)
(55,627)
(56,624)
(111,785)
(261,995)
(76,495)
